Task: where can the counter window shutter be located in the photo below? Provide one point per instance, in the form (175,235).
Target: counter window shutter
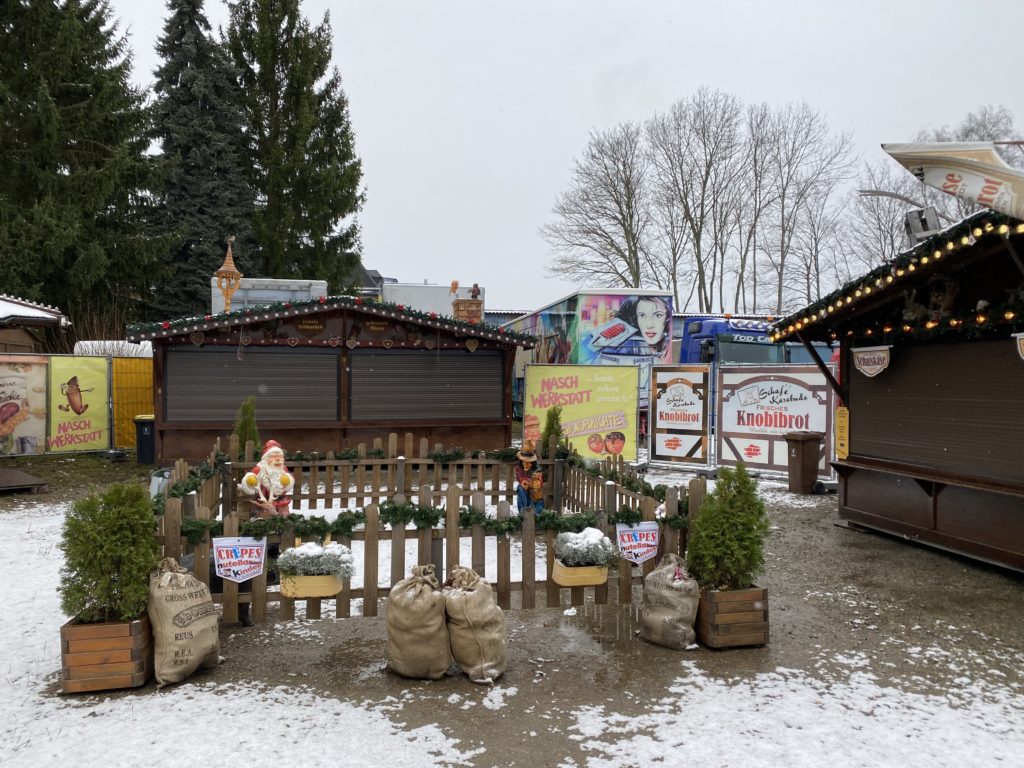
(421,384)
(210,384)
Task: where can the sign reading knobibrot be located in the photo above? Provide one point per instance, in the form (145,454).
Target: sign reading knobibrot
(679,397)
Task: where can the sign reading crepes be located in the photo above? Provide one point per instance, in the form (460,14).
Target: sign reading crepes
(638,543)
(871,361)
(239,558)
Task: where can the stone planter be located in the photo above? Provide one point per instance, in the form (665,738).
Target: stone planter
(579,575)
(106,655)
(730,618)
(310,586)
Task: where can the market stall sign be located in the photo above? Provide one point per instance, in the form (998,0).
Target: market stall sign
(871,361)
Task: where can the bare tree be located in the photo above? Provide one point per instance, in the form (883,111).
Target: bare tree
(805,160)
(815,248)
(695,151)
(603,220)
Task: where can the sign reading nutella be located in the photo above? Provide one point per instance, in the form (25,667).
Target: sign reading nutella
(871,361)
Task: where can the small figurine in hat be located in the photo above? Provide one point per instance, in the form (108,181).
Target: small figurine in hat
(269,482)
(529,480)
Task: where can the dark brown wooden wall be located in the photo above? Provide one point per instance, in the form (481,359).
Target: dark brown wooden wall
(957,407)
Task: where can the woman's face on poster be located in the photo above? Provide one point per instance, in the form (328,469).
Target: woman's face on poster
(651,318)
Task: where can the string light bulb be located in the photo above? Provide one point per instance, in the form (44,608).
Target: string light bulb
(977,231)
(1008,315)
(1003,229)
(965,240)
(950,245)
(924,259)
(981,319)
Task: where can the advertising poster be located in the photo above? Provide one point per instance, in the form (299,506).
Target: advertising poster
(79,418)
(638,543)
(624,330)
(22,404)
(679,408)
(599,407)
(758,406)
(238,558)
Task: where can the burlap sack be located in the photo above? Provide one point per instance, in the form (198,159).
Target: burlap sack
(476,626)
(417,634)
(669,605)
(184,619)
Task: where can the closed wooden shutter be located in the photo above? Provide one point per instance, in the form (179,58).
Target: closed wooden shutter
(955,407)
(210,384)
(416,385)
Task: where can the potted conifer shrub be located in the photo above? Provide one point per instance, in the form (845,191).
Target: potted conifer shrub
(725,552)
(312,570)
(109,545)
(582,559)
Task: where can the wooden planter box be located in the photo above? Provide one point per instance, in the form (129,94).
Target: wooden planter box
(579,575)
(730,618)
(310,586)
(106,655)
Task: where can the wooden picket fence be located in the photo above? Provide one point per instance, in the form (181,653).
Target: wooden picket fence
(329,483)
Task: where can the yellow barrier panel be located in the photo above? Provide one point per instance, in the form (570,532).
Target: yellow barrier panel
(133,395)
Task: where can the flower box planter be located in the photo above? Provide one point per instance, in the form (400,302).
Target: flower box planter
(310,586)
(579,575)
(106,655)
(734,617)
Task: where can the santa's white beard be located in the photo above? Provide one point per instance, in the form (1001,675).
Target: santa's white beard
(270,477)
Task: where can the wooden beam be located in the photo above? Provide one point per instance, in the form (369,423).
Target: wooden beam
(840,392)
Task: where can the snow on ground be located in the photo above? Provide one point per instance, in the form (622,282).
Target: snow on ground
(835,711)
(180,724)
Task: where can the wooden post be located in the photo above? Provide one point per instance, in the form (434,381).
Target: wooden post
(424,535)
(478,550)
(529,553)
(451,531)
(392,445)
(647,509)
(670,540)
(400,476)
(504,548)
(398,544)
(230,587)
(172,528)
(188,506)
(558,477)
(553,593)
(201,569)
(610,494)
(343,602)
(370,544)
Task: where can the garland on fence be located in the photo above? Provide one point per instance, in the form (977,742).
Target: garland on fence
(446,457)
(400,515)
(195,531)
(549,520)
(470,516)
(346,523)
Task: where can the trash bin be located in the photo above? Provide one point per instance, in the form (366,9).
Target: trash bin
(804,449)
(145,439)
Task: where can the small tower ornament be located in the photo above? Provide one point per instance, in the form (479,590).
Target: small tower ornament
(228,277)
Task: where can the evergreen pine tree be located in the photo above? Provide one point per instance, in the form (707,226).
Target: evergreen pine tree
(75,183)
(302,149)
(198,121)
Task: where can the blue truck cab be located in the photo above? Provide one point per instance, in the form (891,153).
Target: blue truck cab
(726,339)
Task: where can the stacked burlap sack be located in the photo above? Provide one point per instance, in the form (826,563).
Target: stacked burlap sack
(429,627)
(669,605)
(185,623)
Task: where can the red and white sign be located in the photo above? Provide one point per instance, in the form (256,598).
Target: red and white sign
(759,405)
(639,542)
(679,402)
(871,361)
(239,558)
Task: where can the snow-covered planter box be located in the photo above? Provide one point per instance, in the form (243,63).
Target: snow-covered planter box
(311,570)
(582,559)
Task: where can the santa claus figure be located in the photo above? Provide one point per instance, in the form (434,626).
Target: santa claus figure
(269,482)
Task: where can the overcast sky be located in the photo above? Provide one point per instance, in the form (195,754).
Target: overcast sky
(468,115)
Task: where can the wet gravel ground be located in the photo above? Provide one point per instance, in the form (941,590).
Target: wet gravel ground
(918,619)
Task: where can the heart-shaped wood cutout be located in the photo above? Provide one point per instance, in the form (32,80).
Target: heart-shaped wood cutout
(334,341)
(197,338)
(429,343)
(292,342)
(351,343)
(387,343)
(472,344)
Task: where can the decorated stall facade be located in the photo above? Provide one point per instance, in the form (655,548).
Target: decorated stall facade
(330,373)
(931,376)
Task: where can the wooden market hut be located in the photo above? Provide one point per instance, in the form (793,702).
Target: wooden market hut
(330,373)
(932,375)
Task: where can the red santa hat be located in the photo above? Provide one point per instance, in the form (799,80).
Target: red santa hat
(270,447)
